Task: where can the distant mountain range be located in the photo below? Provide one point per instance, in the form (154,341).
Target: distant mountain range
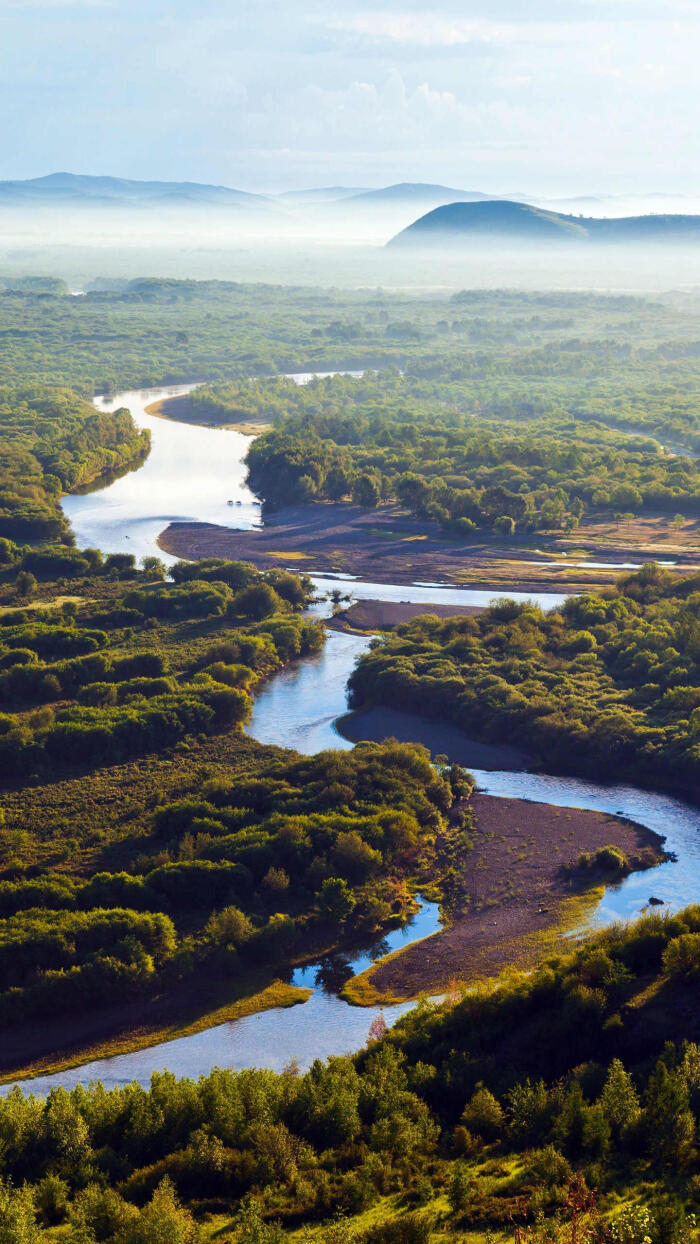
(463,223)
(321,194)
(71,189)
(408,213)
(416,193)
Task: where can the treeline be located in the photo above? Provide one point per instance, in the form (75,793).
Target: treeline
(608,685)
(83,685)
(233,875)
(375,439)
(51,442)
(564,1100)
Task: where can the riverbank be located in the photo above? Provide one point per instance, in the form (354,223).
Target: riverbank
(379,722)
(384,546)
(73,1040)
(384,615)
(520,893)
(387,545)
(181,409)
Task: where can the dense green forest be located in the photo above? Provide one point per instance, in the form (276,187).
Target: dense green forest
(563,1104)
(607,685)
(97,685)
(570,375)
(126,666)
(249,873)
(53,442)
(631,362)
(371,440)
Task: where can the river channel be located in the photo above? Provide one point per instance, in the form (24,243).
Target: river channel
(191,474)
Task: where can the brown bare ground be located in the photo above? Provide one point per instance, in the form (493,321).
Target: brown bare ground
(387,545)
(378,722)
(384,615)
(515,880)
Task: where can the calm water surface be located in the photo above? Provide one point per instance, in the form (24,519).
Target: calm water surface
(190,475)
(319,1028)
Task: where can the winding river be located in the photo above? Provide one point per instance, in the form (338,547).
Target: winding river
(191,474)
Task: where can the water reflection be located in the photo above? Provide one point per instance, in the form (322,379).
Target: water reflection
(319,1028)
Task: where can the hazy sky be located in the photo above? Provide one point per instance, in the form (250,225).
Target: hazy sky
(500,95)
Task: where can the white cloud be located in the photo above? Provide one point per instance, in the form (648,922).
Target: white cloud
(586,94)
(435,31)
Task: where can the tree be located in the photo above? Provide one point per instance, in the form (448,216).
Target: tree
(619,1099)
(163,1221)
(367,490)
(483,1114)
(18,1223)
(99,1213)
(460,1190)
(252,1228)
(682,955)
(335,899)
(25,584)
(120,565)
(257,601)
(154,568)
(505,526)
(229,927)
(377,1029)
(276,880)
(668,1123)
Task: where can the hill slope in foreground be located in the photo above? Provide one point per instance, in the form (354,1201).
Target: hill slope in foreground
(522,222)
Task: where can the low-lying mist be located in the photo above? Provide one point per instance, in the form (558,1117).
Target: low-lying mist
(81,244)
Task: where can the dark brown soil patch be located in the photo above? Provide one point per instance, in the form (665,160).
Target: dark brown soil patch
(378,723)
(388,545)
(383,546)
(514,880)
(384,615)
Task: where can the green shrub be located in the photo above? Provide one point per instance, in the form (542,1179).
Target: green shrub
(681,958)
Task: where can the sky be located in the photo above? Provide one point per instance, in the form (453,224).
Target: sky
(554,97)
